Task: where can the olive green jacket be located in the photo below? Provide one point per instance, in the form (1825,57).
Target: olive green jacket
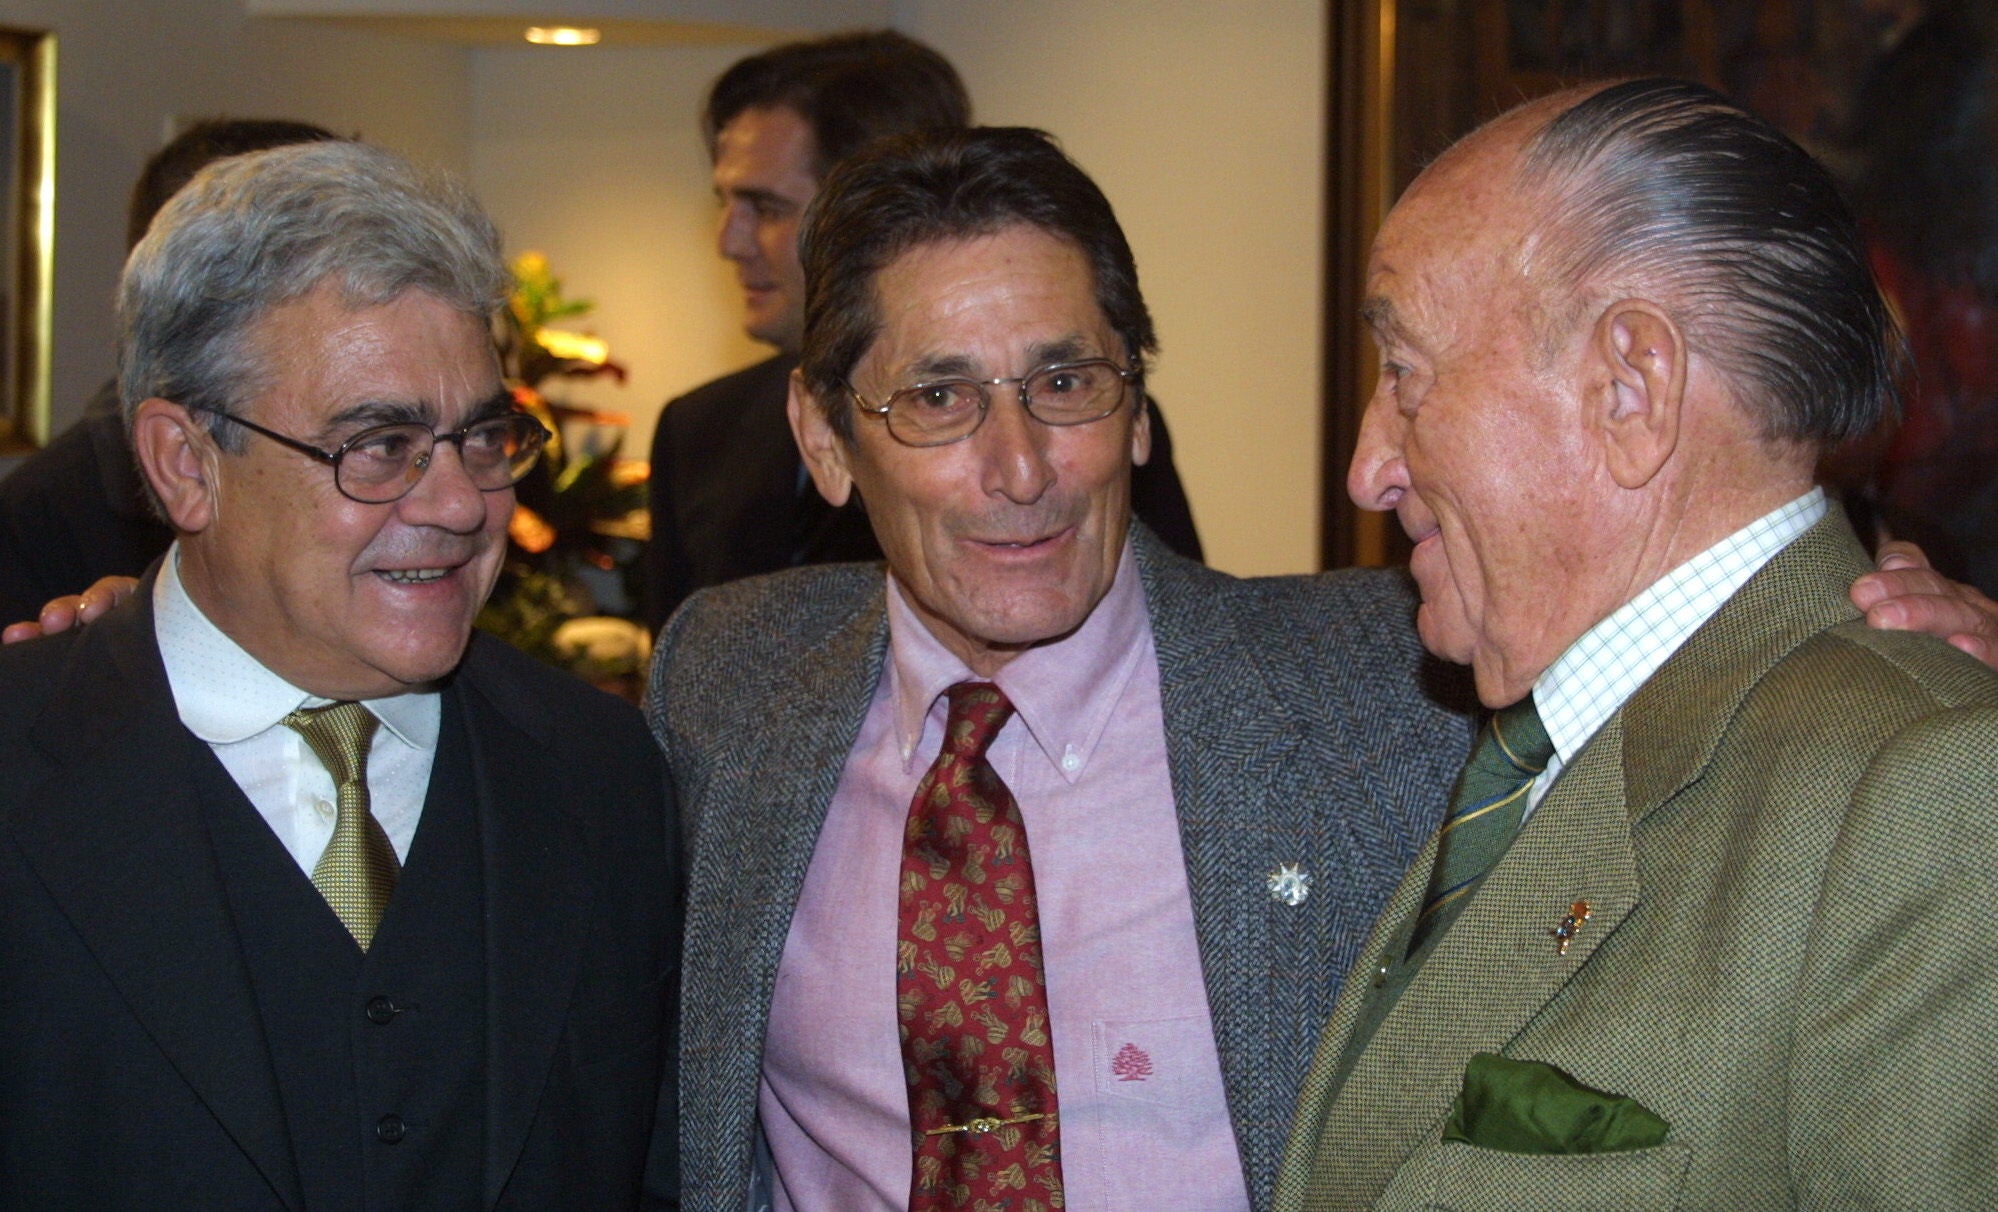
(1788,844)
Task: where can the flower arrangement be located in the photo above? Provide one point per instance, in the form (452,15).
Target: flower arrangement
(569,585)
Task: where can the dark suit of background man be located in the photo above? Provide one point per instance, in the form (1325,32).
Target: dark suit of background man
(76,511)
(186,1020)
(1752,892)
(1220,780)
(730,497)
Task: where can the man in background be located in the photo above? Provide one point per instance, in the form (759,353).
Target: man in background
(75,511)
(308,898)
(730,497)
(1738,953)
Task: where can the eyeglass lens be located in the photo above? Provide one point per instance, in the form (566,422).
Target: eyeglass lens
(382,464)
(943,411)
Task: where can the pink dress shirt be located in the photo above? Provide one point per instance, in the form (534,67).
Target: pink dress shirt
(1144,1117)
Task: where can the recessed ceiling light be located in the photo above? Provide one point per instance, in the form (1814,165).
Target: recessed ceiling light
(563,35)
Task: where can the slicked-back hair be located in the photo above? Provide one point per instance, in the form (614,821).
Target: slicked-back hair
(850,89)
(1667,187)
(253,232)
(947,185)
(195,148)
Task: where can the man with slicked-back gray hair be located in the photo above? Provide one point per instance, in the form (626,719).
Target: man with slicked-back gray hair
(1708,922)
(308,898)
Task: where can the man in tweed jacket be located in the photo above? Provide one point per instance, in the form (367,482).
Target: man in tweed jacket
(1293,743)
(1752,889)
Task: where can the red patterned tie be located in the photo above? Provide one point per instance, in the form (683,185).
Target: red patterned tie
(970,993)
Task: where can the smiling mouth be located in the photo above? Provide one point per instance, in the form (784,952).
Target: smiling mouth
(412,576)
(1022,544)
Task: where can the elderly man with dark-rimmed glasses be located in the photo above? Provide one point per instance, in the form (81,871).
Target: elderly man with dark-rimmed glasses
(308,898)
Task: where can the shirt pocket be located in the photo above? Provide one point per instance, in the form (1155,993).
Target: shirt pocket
(1451,1176)
(1163,1137)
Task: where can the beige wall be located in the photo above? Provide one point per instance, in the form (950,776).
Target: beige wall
(126,68)
(592,157)
(1202,121)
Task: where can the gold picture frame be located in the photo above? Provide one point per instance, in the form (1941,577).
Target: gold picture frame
(27,218)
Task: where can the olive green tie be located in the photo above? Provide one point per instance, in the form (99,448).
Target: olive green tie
(356,873)
(1485,812)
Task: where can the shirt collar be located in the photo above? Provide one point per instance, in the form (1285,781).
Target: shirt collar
(1064,692)
(1599,672)
(224,694)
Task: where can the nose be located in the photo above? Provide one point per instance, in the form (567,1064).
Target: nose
(445,497)
(1013,451)
(735,236)
(1378,477)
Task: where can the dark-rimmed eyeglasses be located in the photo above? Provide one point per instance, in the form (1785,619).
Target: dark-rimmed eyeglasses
(381,464)
(943,411)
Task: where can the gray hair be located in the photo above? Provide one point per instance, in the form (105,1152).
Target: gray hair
(1666,182)
(253,232)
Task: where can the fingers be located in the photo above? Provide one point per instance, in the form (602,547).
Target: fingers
(96,601)
(73,610)
(1902,571)
(1981,647)
(14,633)
(1907,595)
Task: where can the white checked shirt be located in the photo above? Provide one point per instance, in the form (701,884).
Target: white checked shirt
(1586,685)
(230,700)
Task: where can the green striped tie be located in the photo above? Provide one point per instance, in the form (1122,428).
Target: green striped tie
(356,873)
(1485,812)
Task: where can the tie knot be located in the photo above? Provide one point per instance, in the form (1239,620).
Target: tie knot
(978,710)
(340,735)
(1519,739)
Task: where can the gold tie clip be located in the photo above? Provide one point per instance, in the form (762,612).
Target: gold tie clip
(984,1124)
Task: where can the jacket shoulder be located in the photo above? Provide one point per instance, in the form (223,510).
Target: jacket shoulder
(729,393)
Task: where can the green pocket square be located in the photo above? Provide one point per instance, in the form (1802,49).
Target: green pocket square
(1522,1106)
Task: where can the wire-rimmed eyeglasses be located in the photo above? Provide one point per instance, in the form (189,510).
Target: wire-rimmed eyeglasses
(381,464)
(943,411)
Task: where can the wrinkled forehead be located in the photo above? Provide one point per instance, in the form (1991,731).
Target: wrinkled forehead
(1472,214)
(1020,287)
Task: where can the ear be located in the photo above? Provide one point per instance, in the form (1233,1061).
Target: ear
(178,459)
(823,450)
(1141,432)
(1639,413)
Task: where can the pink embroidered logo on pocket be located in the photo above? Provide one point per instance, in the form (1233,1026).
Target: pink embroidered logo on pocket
(1131,1064)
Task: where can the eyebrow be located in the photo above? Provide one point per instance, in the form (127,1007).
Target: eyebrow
(1378,313)
(1039,354)
(369,413)
(752,195)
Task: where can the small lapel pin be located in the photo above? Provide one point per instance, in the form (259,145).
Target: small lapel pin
(1289,884)
(1570,926)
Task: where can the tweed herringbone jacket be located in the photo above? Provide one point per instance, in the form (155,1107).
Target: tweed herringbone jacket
(1297,732)
(1788,844)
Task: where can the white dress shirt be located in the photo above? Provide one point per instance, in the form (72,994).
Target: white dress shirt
(1598,673)
(228,699)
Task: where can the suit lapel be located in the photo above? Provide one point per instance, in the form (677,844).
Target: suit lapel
(1209,683)
(118,838)
(1681,714)
(753,844)
(537,896)
(1498,966)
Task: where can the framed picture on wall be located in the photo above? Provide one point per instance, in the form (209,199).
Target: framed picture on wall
(27,234)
